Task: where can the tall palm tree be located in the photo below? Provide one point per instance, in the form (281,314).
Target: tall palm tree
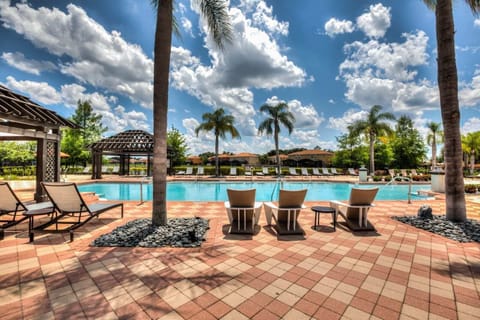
(277,115)
(448,89)
(221,124)
(434,136)
(372,128)
(471,146)
(216,14)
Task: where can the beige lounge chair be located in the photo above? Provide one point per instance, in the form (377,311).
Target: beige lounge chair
(356,209)
(352,172)
(12,208)
(71,211)
(286,211)
(242,210)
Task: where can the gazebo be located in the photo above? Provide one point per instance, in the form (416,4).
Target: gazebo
(125,144)
(23,119)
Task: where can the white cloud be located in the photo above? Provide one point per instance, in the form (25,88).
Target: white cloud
(263,17)
(18,60)
(346,119)
(471,125)
(476,23)
(375,22)
(187,26)
(469,94)
(98,57)
(41,92)
(335,26)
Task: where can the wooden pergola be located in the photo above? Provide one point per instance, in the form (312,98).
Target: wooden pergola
(23,119)
(125,144)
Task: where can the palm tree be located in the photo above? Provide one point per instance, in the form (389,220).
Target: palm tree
(432,136)
(471,146)
(277,115)
(448,89)
(372,128)
(221,124)
(216,14)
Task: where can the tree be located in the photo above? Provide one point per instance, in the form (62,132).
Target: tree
(434,136)
(277,115)
(178,146)
(408,146)
(471,146)
(221,124)
(216,14)
(448,89)
(372,128)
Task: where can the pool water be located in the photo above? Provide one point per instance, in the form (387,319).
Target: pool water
(265,191)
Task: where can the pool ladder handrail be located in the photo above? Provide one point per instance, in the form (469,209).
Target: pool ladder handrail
(145,178)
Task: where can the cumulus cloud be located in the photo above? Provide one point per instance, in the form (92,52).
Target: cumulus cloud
(376,21)
(96,56)
(18,60)
(348,117)
(476,23)
(252,60)
(471,125)
(41,92)
(335,26)
(469,93)
(114,117)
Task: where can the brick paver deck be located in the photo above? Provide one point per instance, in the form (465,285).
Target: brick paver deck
(398,272)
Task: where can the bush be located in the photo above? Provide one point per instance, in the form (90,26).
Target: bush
(471,188)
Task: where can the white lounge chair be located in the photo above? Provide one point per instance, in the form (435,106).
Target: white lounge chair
(200,171)
(325,172)
(242,210)
(315,172)
(352,172)
(334,171)
(292,171)
(233,171)
(356,209)
(286,211)
(305,172)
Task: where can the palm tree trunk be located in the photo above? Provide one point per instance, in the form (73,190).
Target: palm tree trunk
(216,156)
(434,152)
(472,162)
(372,154)
(277,154)
(163,43)
(448,88)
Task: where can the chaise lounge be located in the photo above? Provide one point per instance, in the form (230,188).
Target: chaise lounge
(71,211)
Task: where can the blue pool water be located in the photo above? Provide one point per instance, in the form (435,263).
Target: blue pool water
(266,191)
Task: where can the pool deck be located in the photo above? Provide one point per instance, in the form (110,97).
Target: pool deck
(397,272)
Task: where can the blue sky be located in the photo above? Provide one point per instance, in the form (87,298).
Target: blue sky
(329,60)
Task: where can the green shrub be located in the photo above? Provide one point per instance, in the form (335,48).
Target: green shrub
(471,188)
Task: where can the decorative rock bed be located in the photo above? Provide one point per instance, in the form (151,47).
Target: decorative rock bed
(468,231)
(179,232)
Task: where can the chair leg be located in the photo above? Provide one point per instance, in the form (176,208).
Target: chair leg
(71,236)
(2,233)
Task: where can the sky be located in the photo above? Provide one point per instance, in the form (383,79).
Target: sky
(330,61)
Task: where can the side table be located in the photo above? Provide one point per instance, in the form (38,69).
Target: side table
(318,210)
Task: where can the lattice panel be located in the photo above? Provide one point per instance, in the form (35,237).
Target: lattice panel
(51,163)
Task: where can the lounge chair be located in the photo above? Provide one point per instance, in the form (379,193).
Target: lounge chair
(264,172)
(12,208)
(305,172)
(233,171)
(325,172)
(71,211)
(188,171)
(248,171)
(200,171)
(286,211)
(404,172)
(414,172)
(352,172)
(315,172)
(292,171)
(392,173)
(355,215)
(115,169)
(242,210)
(87,169)
(334,171)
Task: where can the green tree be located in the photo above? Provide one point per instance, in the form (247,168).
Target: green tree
(221,124)
(72,144)
(372,128)
(434,136)
(178,147)
(351,153)
(90,122)
(277,115)
(216,14)
(407,145)
(471,146)
(448,89)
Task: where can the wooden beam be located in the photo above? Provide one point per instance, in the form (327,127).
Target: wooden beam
(28,133)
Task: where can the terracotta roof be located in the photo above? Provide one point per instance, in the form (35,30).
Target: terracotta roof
(19,109)
(310,153)
(244,155)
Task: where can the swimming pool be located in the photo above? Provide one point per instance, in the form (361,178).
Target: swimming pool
(266,191)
